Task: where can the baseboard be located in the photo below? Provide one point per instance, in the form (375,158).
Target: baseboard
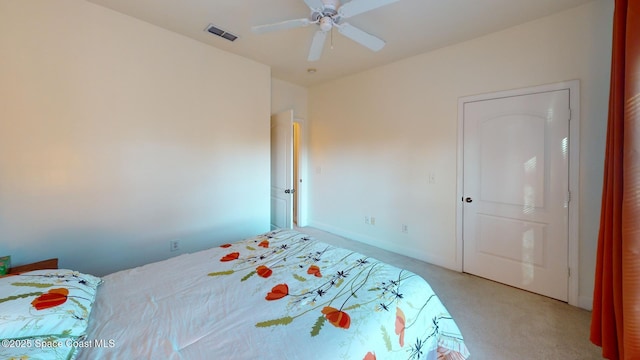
(395,248)
(585,302)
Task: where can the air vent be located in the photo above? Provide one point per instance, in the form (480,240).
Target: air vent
(223,34)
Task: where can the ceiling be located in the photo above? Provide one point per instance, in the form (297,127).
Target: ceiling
(410,27)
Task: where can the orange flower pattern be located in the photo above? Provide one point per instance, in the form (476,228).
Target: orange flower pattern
(51,298)
(230,257)
(278,292)
(336,317)
(314,270)
(264,271)
(400,325)
(361,289)
(370,356)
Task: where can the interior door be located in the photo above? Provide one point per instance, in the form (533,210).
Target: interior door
(282,170)
(515,186)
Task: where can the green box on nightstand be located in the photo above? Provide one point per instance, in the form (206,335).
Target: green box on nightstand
(5,264)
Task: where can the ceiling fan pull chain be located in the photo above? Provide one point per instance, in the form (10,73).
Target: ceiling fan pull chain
(332,38)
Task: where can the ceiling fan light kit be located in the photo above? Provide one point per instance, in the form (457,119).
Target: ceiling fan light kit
(328,14)
(326,24)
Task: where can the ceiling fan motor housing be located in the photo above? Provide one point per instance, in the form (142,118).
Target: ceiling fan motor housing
(328,16)
(331,4)
(329,8)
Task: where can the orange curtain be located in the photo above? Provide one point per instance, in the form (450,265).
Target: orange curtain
(615,322)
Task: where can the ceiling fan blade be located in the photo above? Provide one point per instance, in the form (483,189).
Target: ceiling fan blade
(314,4)
(317,45)
(355,7)
(361,37)
(283,25)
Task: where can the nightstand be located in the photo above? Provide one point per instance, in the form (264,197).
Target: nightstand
(40,265)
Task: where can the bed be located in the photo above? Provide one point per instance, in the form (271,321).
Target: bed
(280,295)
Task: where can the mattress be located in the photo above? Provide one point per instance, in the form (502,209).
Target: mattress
(279,295)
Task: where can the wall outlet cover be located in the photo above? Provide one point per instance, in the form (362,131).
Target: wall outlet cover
(174,245)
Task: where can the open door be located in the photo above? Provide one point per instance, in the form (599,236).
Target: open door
(282,170)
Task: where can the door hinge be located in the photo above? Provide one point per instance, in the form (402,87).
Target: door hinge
(568,196)
(569,271)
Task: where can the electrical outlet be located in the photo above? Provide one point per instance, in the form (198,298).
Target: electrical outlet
(174,245)
(373,220)
(405,228)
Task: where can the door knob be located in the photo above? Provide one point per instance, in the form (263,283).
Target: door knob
(468,200)
(287,191)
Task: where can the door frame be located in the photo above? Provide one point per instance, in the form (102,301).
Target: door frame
(300,179)
(574,171)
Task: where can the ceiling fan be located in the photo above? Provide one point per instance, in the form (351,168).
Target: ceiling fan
(328,14)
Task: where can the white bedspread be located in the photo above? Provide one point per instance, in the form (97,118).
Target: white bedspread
(281,295)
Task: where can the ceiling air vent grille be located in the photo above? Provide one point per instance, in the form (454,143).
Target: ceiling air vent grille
(223,34)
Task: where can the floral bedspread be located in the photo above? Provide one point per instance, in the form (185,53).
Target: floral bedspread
(279,295)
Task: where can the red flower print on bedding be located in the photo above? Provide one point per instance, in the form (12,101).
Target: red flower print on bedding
(400,325)
(52,298)
(264,244)
(314,270)
(230,257)
(336,317)
(225,245)
(278,292)
(264,271)
(370,356)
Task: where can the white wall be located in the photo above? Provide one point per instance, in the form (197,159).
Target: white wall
(287,96)
(376,136)
(117,136)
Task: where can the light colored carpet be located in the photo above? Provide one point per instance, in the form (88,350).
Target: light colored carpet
(497,321)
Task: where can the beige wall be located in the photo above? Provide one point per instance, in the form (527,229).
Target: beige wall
(117,137)
(375,136)
(288,96)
